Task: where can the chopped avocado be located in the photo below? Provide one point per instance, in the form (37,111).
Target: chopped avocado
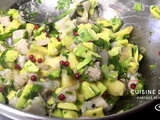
(114,51)
(155,11)
(89,90)
(101,87)
(112,75)
(50,101)
(53,48)
(116,24)
(23,71)
(57,113)
(11,95)
(38,31)
(87,34)
(11,55)
(67,106)
(56,73)
(106,34)
(94,4)
(69,114)
(14,13)
(72,60)
(105,23)
(84,52)
(115,88)
(41,36)
(29,66)
(105,70)
(90,46)
(22,100)
(137,7)
(2,99)
(94,113)
(1,29)
(53,62)
(124,32)
(82,64)
(122,42)
(67,81)
(13,25)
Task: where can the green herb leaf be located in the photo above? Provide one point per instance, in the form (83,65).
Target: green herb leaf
(137,7)
(54,95)
(62,4)
(39,1)
(152,67)
(2,59)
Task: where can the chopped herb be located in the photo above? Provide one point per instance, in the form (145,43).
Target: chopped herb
(102,44)
(128,106)
(50,76)
(152,67)
(94,114)
(64,14)
(75,29)
(126,36)
(33,14)
(62,4)
(69,71)
(54,95)
(2,59)
(78,102)
(33,93)
(137,7)
(150,33)
(84,77)
(69,93)
(39,1)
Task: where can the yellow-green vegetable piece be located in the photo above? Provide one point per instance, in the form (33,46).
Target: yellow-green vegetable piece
(155,11)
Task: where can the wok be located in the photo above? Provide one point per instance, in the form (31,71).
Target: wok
(146,34)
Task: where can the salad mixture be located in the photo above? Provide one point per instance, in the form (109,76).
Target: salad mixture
(69,69)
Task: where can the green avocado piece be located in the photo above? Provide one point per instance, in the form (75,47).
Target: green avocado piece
(87,34)
(155,11)
(22,100)
(38,31)
(86,61)
(29,66)
(11,55)
(57,113)
(69,114)
(89,90)
(2,99)
(90,46)
(105,70)
(116,24)
(98,112)
(84,52)
(13,12)
(67,106)
(56,73)
(52,47)
(101,87)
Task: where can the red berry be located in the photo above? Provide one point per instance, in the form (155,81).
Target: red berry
(133,86)
(1,89)
(33,78)
(17,67)
(90,41)
(31,57)
(59,39)
(36,27)
(61,97)
(47,34)
(40,60)
(62,63)
(104,95)
(75,33)
(33,60)
(159,53)
(77,76)
(66,64)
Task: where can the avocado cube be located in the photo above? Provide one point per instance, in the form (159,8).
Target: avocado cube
(67,106)
(123,32)
(21,101)
(50,101)
(101,87)
(116,24)
(90,46)
(29,66)
(82,64)
(53,48)
(11,55)
(105,23)
(2,99)
(89,90)
(98,112)
(14,13)
(69,114)
(155,10)
(30,26)
(11,94)
(105,70)
(57,113)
